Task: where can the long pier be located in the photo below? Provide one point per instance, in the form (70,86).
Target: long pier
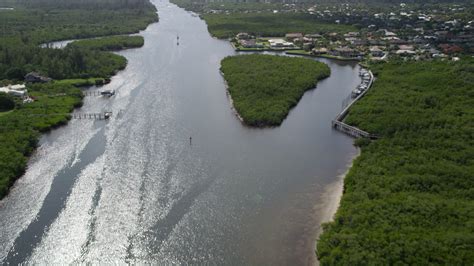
(107,93)
(94,116)
(338,123)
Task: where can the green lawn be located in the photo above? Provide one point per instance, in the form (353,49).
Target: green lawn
(265,87)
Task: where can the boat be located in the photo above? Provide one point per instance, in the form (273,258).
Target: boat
(108,93)
(107,115)
(355,93)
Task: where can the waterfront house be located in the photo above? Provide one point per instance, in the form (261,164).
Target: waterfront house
(280,43)
(352,34)
(243,36)
(345,52)
(313,36)
(252,43)
(35,77)
(406,47)
(405,52)
(375,51)
(450,48)
(319,51)
(17,90)
(292,36)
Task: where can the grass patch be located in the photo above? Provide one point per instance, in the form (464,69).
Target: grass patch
(298,52)
(265,87)
(3,113)
(409,197)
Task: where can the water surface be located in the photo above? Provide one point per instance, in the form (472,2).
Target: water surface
(134,189)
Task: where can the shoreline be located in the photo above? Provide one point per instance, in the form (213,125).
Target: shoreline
(335,190)
(339,58)
(74,108)
(332,197)
(231,101)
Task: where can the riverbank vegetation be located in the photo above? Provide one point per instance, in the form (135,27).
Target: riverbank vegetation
(225,19)
(265,87)
(20,128)
(71,62)
(25,29)
(306,53)
(111,43)
(409,197)
(268,24)
(32,23)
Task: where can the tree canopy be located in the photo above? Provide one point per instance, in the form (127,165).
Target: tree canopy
(265,87)
(409,197)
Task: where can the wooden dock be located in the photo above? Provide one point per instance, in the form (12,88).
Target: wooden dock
(107,93)
(94,116)
(350,130)
(338,123)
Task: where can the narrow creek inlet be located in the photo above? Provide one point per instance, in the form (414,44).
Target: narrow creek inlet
(133,189)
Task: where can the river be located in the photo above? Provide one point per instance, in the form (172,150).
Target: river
(134,189)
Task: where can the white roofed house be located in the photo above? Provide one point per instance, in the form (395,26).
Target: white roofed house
(375,51)
(17,90)
(280,43)
(346,52)
(243,36)
(252,43)
(294,35)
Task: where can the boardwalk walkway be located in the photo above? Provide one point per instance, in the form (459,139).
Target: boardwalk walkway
(338,123)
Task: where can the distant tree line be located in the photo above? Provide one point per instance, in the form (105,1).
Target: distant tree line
(85,4)
(374,2)
(71,62)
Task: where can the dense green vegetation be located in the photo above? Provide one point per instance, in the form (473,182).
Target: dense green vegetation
(71,62)
(215,4)
(206,7)
(19,128)
(24,28)
(265,87)
(111,43)
(268,24)
(86,4)
(34,22)
(7,102)
(409,197)
(38,25)
(81,82)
